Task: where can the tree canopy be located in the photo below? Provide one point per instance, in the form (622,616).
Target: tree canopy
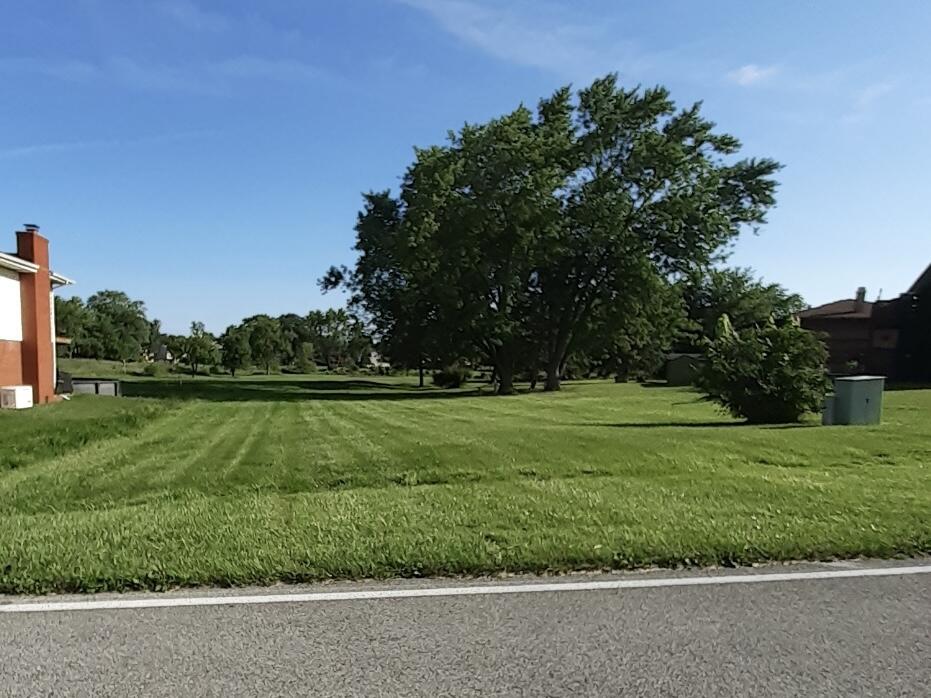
(524,235)
(109,326)
(710,294)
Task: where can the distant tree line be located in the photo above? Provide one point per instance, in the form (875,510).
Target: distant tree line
(110,325)
(585,237)
(680,316)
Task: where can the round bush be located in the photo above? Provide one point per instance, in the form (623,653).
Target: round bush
(769,374)
(452,376)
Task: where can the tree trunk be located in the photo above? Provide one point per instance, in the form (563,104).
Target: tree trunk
(420,373)
(505,380)
(553,375)
(193,370)
(556,362)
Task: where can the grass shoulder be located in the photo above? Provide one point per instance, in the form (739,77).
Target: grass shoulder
(298,478)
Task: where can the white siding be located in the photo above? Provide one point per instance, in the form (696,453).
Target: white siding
(11,314)
(51,300)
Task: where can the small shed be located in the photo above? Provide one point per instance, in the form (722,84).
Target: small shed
(682,369)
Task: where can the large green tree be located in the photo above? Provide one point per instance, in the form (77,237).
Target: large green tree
(632,336)
(116,328)
(266,343)
(235,352)
(517,238)
(398,299)
(338,338)
(649,184)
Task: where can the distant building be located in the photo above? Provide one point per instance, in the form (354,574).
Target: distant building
(27,316)
(889,338)
(376,361)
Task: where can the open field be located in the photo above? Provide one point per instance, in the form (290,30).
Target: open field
(221,481)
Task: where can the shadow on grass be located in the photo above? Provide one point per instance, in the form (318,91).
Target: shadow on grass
(249,389)
(693,425)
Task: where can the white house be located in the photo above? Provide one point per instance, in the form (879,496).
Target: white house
(27,316)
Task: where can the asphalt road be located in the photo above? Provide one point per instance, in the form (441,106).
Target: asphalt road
(859,636)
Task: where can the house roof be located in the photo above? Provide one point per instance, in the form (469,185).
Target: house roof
(24,266)
(59,280)
(923,281)
(844,309)
(847,308)
(11,261)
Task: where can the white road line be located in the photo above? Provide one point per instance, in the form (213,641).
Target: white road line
(169,601)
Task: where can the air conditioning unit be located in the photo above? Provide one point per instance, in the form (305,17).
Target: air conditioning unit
(15,397)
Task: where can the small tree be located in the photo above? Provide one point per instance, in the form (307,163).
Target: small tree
(200,348)
(767,373)
(235,352)
(265,341)
(303,357)
(71,321)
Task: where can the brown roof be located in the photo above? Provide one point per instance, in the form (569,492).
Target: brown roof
(922,281)
(840,309)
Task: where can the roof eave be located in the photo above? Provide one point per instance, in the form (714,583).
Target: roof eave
(58,280)
(18,264)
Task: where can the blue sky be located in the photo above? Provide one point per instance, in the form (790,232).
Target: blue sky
(208,156)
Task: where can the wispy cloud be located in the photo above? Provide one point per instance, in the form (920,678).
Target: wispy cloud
(68,146)
(216,77)
(156,77)
(538,36)
(871,94)
(66,69)
(192,17)
(258,68)
(751,74)
(867,100)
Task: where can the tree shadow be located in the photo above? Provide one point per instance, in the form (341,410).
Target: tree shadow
(287,390)
(693,425)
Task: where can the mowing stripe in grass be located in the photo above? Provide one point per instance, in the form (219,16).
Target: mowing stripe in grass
(258,428)
(349,483)
(476,590)
(47,484)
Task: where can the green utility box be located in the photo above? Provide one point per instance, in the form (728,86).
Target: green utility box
(858,400)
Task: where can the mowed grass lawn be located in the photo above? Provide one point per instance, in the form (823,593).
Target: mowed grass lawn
(295,478)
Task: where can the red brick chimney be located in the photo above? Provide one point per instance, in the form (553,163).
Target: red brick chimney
(36,290)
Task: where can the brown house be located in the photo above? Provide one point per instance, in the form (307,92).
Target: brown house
(888,338)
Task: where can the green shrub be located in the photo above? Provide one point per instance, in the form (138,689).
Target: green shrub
(768,374)
(452,376)
(155,369)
